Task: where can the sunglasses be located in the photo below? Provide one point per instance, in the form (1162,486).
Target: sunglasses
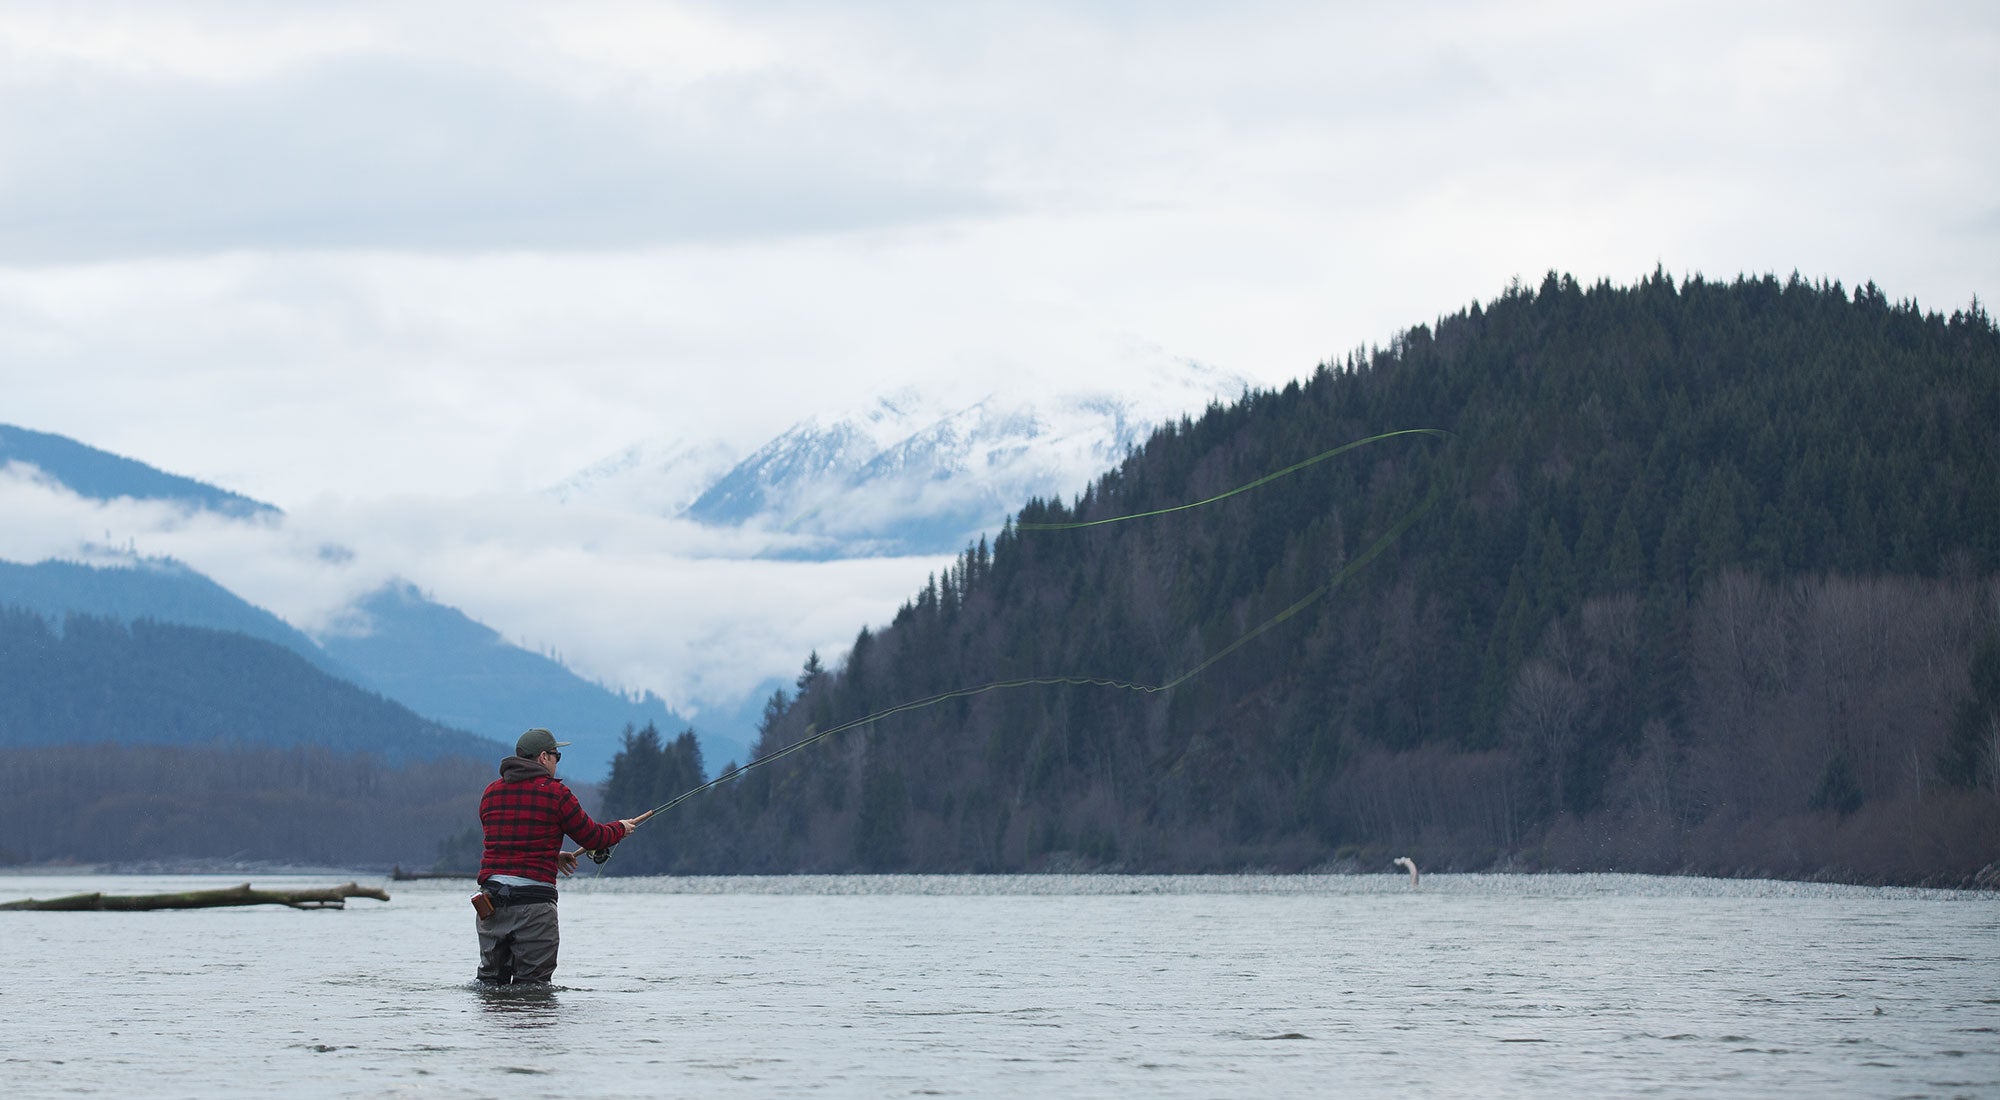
(553,753)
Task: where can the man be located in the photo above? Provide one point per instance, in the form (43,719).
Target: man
(526,813)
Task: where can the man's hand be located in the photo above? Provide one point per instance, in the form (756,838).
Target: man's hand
(566,862)
(630,824)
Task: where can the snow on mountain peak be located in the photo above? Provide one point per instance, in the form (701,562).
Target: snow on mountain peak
(655,477)
(913,471)
(909,474)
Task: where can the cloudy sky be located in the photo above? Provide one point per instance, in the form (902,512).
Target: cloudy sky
(396,267)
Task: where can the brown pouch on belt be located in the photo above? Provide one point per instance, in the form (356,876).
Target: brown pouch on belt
(482,905)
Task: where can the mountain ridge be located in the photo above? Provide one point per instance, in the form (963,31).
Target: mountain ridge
(449,665)
(101,475)
(87,680)
(460,674)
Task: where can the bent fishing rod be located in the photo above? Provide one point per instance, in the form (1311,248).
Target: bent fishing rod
(814,735)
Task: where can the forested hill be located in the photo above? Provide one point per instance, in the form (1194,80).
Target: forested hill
(92,681)
(1704,578)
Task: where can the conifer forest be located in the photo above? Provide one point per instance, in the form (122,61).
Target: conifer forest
(1705,577)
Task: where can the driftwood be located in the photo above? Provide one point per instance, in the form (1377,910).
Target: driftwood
(326,897)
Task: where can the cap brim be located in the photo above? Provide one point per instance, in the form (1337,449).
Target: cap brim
(562,744)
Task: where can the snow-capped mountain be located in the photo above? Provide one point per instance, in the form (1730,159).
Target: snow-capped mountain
(910,474)
(655,477)
(814,451)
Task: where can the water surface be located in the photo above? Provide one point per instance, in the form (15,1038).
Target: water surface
(1203,986)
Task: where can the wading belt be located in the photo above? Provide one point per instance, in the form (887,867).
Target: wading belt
(505,894)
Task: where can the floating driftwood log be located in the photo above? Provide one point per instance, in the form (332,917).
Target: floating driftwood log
(326,897)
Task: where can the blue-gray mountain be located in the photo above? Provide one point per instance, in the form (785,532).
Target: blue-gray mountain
(442,663)
(97,681)
(421,654)
(101,475)
(157,589)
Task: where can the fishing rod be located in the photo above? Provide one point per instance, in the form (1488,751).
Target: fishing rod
(815,735)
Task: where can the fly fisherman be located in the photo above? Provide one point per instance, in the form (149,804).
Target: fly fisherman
(525,814)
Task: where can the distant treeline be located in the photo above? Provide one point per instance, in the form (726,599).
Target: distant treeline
(1708,584)
(308,805)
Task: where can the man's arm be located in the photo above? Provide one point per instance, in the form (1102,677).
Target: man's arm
(566,861)
(589,834)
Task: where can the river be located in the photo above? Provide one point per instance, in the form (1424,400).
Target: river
(1197,986)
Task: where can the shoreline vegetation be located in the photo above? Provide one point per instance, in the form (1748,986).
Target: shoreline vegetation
(1986,880)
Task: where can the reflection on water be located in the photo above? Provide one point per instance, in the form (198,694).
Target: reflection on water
(1024,985)
(525,1005)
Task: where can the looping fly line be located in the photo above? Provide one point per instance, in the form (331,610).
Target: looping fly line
(1375,548)
(1240,489)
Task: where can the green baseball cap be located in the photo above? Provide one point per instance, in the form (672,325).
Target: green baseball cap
(535,742)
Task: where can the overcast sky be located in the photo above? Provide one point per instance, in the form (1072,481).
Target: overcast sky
(391,266)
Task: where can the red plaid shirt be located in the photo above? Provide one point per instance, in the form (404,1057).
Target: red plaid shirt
(526,813)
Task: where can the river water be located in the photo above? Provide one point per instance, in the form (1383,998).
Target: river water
(1469,985)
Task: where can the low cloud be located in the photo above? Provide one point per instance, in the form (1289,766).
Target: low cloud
(278,563)
(698,615)
(637,603)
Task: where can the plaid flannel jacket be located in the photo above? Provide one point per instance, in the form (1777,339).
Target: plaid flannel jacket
(526,813)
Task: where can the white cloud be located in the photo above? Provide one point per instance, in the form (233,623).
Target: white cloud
(209,43)
(402,129)
(394,267)
(661,48)
(702,633)
(281,565)
(639,603)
